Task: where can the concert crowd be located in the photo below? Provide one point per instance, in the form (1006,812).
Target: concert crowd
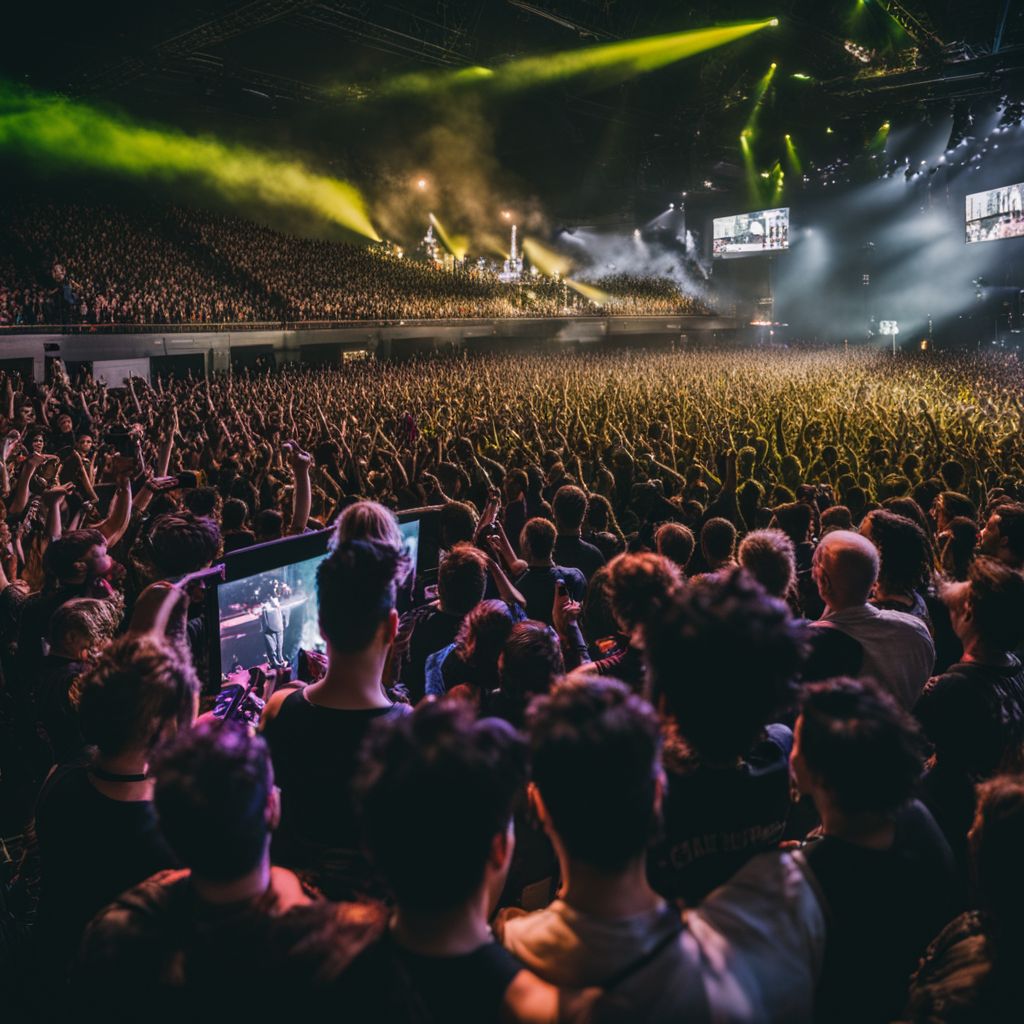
(183,266)
(712,708)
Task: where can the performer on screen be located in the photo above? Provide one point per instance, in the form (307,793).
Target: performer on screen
(273,622)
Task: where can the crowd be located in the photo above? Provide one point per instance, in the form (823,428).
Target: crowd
(78,264)
(713,708)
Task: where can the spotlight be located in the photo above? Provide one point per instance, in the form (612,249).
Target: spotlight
(828,131)
(774,23)
(774,65)
(421,184)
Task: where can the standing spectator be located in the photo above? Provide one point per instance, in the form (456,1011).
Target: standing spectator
(1003,535)
(570,509)
(537,584)
(676,542)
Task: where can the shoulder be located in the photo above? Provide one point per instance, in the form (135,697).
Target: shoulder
(907,621)
(274,705)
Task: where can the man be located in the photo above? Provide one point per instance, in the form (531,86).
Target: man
(570,509)
(515,513)
(597,788)
(770,557)
(897,649)
(675,542)
(973,714)
(1002,536)
(184,943)
(461,582)
(315,733)
(537,584)
(273,622)
(718,544)
(883,869)
(436,795)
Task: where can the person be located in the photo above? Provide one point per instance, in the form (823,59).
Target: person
(973,713)
(676,542)
(234,520)
(461,582)
(1003,535)
(530,662)
(896,648)
(80,630)
(769,556)
(436,792)
(970,972)
(314,732)
(184,943)
(274,618)
(537,584)
(883,869)
(94,832)
(638,585)
(718,544)
(570,509)
(596,786)
(904,563)
(469,664)
(723,659)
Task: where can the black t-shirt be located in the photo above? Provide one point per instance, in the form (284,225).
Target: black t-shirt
(315,752)
(237,540)
(427,630)
(578,554)
(53,706)
(405,986)
(716,819)
(90,848)
(882,908)
(537,585)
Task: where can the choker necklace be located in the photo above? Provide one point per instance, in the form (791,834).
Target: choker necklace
(115,777)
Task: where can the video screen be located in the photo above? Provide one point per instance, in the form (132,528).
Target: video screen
(266,618)
(997,213)
(747,234)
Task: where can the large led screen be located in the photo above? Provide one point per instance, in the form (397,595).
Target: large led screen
(747,234)
(997,213)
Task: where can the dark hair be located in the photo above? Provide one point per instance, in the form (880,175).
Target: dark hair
(717,539)
(269,524)
(836,517)
(904,556)
(457,522)
(202,501)
(61,555)
(569,507)
(462,578)
(139,686)
(956,504)
(597,619)
(866,750)
(957,545)
(723,656)
(180,542)
(434,789)
(676,542)
(84,618)
(481,639)
(1011,526)
(594,754)
(639,585)
(234,513)
(538,538)
(356,586)
(769,557)
(531,660)
(997,846)
(212,787)
(997,602)
(909,509)
(794,519)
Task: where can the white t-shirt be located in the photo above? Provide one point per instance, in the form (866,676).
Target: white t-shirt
(750,953)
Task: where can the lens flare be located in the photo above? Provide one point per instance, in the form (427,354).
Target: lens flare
(53,131)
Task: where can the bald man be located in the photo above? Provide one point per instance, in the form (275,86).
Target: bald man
(898,651)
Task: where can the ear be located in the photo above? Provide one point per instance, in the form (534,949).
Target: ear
(502,847)
(273,811)
(390,626)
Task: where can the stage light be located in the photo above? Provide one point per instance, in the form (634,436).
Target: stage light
(760,90)
(457,245)
(877,143)
(421,184)
(828,131)
(774,22)
(801,77)
(47,131)
(791,155)
(773,65)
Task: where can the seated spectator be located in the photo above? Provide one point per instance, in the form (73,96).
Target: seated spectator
(570,509)
(638,586)
(596,786)
(169,943)
(883,869)
(973,714)
(95,832)
(1003,535)
(314,732)
(971,971)
(896,648)
(904,563)
(80,630)
(676,542)
(537,584)
(436,793)
(723,658)
(769,556)
(461,581)
(718,544)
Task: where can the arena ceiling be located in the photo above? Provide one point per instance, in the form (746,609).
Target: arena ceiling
(296,74)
